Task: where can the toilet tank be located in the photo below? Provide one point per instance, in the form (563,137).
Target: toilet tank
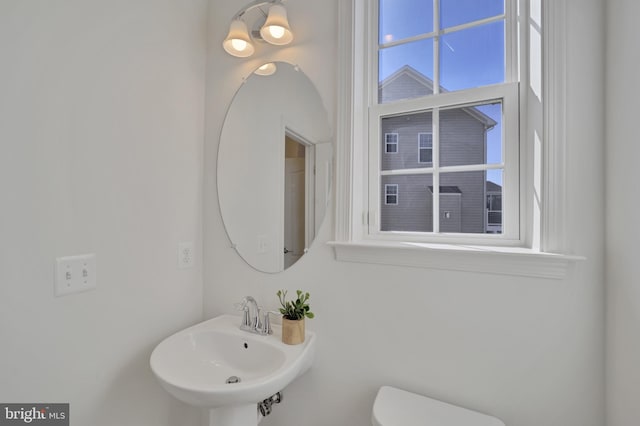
(396,407)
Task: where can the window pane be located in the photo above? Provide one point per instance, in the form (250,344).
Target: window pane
(463,202)
(408,127)
(470,202)
(494,201)
(406,71)
(456,12)
(473,57)
(471,135)
(404,18)
(494,134)
(414,211)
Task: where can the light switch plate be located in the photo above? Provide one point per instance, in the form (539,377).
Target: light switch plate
(75,274)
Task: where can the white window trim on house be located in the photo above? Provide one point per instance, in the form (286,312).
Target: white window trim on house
(542,248)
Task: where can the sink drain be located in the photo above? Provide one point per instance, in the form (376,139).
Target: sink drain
(233,379)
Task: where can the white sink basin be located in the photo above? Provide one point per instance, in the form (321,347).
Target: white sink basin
(194,364)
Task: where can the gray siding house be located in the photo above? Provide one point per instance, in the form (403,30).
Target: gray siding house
(407,200)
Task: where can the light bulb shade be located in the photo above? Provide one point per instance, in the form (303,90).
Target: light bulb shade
(238,42)
(276,28)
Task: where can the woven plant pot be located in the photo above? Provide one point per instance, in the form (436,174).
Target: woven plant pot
(292,331)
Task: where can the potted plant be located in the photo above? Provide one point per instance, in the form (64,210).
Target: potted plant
(293,315)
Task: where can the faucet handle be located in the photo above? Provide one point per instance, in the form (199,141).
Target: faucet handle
(257,322)
(242,306)
(266,323)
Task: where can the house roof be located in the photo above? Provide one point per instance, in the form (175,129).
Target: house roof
(446,189)
(493,187)
(424,82)
(451,189)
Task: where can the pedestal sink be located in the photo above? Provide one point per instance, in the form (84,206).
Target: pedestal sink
(229,371)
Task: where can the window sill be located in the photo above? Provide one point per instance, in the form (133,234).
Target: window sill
(492,260)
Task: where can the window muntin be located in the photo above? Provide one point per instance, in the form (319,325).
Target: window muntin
(411,98)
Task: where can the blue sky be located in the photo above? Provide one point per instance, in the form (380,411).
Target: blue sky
(468,58)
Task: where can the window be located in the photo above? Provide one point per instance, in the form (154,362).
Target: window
(446,74)
(420,66)
(391,194)
(391,143)
(425,147)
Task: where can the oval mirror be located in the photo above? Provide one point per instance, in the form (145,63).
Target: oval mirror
(274,167)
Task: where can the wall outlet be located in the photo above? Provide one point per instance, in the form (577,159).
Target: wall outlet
(185,255)
(75,274)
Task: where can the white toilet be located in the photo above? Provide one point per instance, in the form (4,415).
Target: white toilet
(395,407)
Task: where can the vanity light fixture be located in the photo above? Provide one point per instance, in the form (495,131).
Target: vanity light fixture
(238,43)
(274,30)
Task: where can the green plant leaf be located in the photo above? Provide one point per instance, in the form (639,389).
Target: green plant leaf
(295,309)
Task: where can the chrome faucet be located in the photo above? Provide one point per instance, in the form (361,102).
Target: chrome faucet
(251,320)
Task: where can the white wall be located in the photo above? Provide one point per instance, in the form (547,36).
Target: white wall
(101,138)
(529,351)
(623,205)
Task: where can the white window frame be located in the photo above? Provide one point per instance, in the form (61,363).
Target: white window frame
(507,93)
(420,148)
(542,243)
(387,143)
(387,194)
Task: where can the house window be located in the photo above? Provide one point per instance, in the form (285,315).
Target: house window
(391,143)
(425,147)
(391,194)
(449,75)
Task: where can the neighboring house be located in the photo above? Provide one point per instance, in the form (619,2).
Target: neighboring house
(468,202)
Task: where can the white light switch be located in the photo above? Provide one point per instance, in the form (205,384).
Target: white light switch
(75,274)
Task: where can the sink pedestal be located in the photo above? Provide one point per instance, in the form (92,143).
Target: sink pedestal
(232,415)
